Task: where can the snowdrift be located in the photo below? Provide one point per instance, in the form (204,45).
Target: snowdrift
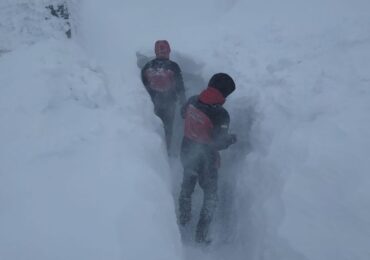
(83,168)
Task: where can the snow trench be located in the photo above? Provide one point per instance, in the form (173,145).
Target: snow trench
(84,172)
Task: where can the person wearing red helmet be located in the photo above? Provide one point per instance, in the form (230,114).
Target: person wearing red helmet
(163,80)
(205,134)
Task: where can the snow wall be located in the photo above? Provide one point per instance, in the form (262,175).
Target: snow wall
(83,168)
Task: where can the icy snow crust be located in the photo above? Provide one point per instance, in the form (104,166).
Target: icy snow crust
(83,167)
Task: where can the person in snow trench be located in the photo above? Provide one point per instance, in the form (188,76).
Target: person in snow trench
(162,79)
(205,134)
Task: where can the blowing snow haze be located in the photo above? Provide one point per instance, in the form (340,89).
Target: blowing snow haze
(84,171)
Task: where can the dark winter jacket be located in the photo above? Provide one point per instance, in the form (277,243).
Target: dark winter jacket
(206,121)
(163,80)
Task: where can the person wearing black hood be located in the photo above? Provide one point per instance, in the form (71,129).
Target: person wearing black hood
(205,134)
(163,80)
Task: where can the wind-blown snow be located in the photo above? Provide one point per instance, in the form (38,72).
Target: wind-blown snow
(83,168)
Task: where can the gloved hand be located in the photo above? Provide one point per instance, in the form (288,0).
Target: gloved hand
(232,139)
(224,142)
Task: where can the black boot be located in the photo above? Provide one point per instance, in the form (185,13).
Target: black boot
(187,190)
(184,211)
(201,235)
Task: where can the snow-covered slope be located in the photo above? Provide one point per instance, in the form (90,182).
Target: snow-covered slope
(83,168)
(78,179)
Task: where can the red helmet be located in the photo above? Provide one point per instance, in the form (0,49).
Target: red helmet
(162,49)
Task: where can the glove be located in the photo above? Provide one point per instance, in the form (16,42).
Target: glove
(232,139)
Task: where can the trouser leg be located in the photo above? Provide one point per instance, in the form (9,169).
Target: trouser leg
(187,189)
(208,182)
(168,129)
(167,115)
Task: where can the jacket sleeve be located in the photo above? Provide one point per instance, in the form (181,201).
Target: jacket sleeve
(221,137)
(179,84)
(143,77)
(185,106)
(145,80)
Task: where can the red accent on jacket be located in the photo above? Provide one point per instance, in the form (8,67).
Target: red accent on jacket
(211,96)
(160,79)
(198,127)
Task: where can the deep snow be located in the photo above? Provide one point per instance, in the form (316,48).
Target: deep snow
(83,168)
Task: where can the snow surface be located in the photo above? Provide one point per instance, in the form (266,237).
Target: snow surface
(83,168)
